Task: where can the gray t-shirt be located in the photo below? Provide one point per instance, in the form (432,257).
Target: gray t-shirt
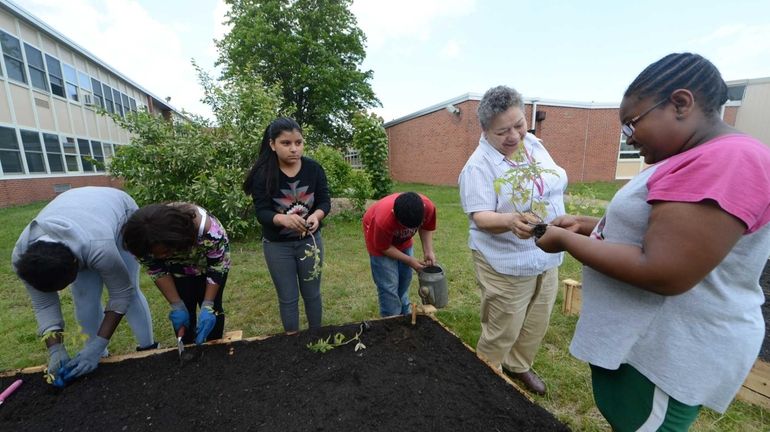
(699,346)
(88,221)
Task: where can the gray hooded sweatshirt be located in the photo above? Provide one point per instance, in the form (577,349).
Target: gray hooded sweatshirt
(88,221)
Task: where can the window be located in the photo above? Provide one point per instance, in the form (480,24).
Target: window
(126,106)
(71,78)
(85,155)
(14,62)
(108,99)
(71,154)
(85,85)
(98,155)
(36,67)
(132,104)
(53,152)
(118,103)
(98,95)
(627,151)
(108,153)
(735,93)
(33,151)
(10,156)
(55,76)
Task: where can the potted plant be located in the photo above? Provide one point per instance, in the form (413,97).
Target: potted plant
(525,179)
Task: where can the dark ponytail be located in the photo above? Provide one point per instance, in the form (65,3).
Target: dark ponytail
(267,161)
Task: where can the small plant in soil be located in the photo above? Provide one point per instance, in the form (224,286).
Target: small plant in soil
(523,177)
(325,345)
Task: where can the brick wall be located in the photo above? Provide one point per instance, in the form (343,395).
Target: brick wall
(24,191)
(433,148)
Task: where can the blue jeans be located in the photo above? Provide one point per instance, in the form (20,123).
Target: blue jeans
(392,278)
(290,274)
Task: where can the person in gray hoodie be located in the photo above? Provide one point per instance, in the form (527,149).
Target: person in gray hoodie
(75,239)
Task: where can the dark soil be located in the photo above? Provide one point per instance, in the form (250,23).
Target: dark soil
(409,378)
(764,282)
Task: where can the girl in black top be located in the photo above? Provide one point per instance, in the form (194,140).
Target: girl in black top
(291,198)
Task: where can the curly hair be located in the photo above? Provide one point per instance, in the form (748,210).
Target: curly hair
(47,266)
(159,224)
(495,101)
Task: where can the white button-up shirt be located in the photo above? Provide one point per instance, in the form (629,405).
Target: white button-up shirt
(505,252)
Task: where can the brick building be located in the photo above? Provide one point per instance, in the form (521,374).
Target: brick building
(431,145)
(50,131)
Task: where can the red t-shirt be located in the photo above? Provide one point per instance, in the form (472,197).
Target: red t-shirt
(381,229)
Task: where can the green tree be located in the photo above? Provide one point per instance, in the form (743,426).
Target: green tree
(311,50)
(197,160)
(371,141)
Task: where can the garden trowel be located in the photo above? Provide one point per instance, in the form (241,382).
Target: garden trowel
(179,343)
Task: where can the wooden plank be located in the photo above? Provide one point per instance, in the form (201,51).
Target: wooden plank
(759,378)
(573,297)
(228,337)
(747,395)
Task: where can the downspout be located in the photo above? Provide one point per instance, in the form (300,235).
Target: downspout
(585,144)
(534,116)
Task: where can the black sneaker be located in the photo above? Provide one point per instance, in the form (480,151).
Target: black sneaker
(148,347)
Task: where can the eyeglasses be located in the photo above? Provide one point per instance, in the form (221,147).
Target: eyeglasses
(628,127)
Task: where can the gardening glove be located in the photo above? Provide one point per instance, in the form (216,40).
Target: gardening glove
(206,321)
(57,357)
(179,316)
(86,360)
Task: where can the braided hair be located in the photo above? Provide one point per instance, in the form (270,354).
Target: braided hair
(682,71)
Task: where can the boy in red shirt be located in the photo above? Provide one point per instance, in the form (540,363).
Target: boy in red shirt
(389,226)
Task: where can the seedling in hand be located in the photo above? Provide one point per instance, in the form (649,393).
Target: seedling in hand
(523,172)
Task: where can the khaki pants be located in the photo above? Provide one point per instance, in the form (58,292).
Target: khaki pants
(515,312)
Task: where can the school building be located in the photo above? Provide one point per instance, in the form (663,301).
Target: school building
(431,145)
(51,136)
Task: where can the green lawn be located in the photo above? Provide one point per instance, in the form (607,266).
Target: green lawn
(349,296)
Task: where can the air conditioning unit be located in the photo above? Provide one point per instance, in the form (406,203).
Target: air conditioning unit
(88,99)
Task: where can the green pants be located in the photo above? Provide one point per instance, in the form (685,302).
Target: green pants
(631,402)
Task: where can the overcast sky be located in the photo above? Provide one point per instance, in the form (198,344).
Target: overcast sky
(423,52)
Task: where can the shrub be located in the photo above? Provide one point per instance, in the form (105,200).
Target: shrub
(338,171)
(371,141)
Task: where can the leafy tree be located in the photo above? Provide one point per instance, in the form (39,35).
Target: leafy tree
(311,50)
(196,161)
(371,141)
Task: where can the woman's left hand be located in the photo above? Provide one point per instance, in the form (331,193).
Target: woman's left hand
(313,223)
(552,240)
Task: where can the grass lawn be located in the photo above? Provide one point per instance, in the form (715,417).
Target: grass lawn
(348,296)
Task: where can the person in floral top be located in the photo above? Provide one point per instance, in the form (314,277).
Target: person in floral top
(187,254)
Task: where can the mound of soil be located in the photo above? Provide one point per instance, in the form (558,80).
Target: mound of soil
(416,378)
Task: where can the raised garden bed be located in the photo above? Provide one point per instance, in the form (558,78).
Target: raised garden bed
(416,378)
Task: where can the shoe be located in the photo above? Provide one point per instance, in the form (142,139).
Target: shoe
(152,346)
(530,380)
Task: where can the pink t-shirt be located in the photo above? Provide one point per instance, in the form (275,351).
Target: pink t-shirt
(733,170)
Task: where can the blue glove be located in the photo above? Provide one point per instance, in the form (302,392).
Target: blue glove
(86,360)
(206,321)
(57,357)
(179,316)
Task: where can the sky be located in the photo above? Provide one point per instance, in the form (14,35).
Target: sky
(423,52)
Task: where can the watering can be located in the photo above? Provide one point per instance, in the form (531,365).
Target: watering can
(433,288)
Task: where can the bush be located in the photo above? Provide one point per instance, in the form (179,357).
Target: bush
(193,160)
(338,171)
(371,141)
(360,190)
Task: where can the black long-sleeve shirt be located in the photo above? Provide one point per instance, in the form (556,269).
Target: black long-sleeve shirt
(302,194)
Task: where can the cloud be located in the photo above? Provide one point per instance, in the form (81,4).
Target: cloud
(451,50)
(123,34)
(386,21)
(739,51)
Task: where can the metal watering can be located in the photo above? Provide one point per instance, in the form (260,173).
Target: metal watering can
(433,288)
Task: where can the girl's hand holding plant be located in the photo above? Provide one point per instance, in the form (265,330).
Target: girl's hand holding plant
(312,223)
(553,239)
(293,222)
